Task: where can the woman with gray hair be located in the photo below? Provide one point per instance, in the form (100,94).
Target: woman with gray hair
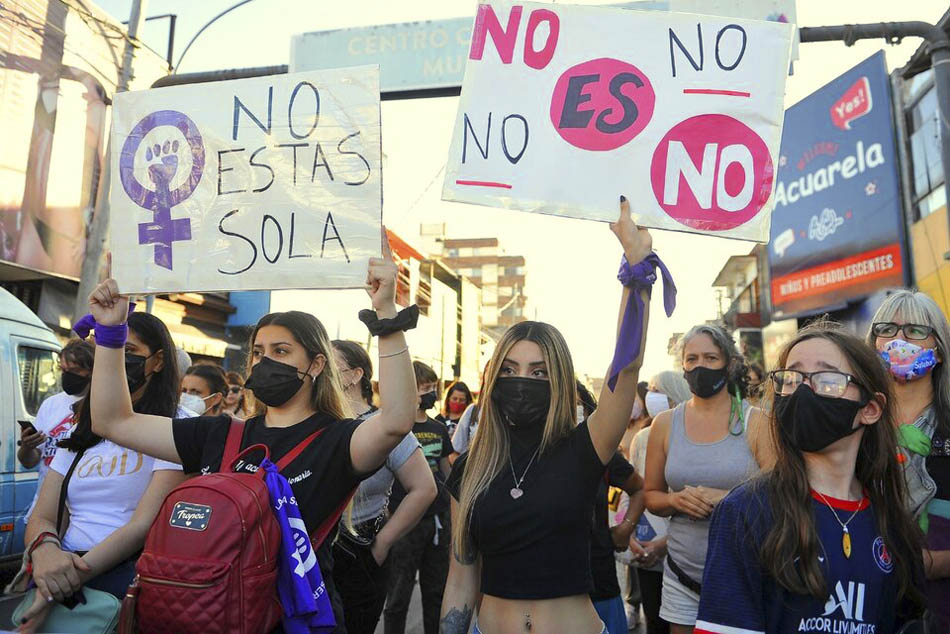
(912,336)
(696,453)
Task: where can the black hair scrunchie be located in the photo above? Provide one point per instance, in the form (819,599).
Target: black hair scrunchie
(406,319)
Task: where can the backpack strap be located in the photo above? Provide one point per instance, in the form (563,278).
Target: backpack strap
(61,508)
(296,451)
(330,522)
(232,446)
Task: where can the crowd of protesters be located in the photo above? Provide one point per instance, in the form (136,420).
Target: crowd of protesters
(814,497)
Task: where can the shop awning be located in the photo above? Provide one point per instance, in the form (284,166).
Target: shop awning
(193,341)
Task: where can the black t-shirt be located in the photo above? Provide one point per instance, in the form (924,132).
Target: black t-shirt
(602,562)
(321,477)
(436,444)
(537,546)
(938,464)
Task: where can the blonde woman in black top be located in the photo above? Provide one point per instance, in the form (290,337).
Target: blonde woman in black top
(523,495)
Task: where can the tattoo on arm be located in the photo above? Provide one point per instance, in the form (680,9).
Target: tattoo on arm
(456,621)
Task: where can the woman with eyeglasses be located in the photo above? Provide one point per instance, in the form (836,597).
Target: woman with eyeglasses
(235,402)
(364,542)
(912,336)
(695,454)
(820,543)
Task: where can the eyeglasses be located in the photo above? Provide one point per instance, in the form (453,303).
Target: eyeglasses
(235,389)
(911,331)
(830,383)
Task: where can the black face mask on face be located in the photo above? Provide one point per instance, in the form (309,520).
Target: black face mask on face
(427,400)
(74,383)
(135,371)
(706,382)
(274,383)
(522,402)
(810,422)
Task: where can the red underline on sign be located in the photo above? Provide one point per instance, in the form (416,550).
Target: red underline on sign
(709,91)
(484,184)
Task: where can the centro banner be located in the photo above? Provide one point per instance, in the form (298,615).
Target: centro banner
(837,228)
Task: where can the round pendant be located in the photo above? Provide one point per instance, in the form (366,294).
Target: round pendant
(516,493)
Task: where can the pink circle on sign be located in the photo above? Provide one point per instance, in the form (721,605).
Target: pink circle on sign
(721,175)
(601,104)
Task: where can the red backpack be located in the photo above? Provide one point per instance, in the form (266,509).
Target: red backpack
(210,559)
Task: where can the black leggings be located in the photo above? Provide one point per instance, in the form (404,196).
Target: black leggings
(651,591)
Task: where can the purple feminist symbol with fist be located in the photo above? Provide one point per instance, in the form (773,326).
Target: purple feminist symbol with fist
(163,165)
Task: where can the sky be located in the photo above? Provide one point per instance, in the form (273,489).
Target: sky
(571,264)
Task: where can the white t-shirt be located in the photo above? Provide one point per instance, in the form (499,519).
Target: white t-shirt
(55,419)
(104,490)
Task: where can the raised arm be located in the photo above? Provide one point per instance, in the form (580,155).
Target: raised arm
(610,419)
(110,402)
(461,587)
(374,439)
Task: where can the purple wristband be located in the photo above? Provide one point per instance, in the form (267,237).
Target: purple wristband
(106,336)
(112,336)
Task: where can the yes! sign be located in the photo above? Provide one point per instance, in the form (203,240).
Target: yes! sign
(262,183)
(564,108)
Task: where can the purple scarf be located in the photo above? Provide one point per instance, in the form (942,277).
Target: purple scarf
(303,595)
(638,276)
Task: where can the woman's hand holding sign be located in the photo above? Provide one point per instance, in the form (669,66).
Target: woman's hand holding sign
(381,281)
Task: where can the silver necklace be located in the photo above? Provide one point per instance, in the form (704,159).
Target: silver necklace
(516,491)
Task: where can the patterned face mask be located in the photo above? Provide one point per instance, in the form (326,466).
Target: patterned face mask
(908,361)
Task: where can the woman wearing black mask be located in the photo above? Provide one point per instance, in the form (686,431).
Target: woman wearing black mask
(524,493)
(696,453)
(292,374)
(55,419)
(113,491)
(822,542)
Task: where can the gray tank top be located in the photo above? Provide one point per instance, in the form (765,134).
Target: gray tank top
(719,465)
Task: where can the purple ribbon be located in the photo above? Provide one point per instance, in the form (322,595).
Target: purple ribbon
(106,336)
(641,275)
(303,594)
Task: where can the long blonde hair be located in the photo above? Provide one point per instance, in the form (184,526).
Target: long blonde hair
(489,450)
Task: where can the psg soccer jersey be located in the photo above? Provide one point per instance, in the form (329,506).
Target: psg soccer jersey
(739,597)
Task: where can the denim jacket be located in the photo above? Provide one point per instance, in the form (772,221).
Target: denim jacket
(920,485)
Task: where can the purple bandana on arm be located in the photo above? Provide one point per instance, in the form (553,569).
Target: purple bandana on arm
(639,276)
(106,336)
(303,595)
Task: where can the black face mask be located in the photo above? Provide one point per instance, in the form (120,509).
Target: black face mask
(523,402)
(810,422)
(135,371)
(427,400)
(74,383)
(706,382)
(274,383)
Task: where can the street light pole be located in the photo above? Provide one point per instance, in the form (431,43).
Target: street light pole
(939,44)
(95,243)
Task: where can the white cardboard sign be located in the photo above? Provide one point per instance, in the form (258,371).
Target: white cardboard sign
(564,108)
(263,183)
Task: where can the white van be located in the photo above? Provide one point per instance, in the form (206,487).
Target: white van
(29,353)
